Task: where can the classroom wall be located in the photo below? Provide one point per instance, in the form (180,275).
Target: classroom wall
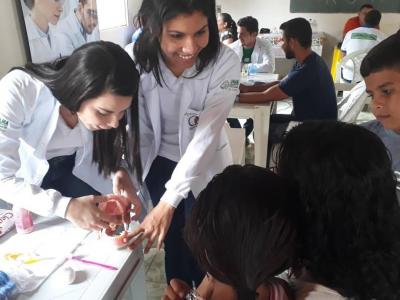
(271,13)
(12,52)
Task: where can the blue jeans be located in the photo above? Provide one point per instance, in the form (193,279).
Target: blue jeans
(59,177)
(179,262)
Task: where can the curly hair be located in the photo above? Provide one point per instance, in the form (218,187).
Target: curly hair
(350,217)
(231,25)
(242,229)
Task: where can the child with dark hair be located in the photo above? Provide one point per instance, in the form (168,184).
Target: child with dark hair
(381,72)
(349,217)
(242,232)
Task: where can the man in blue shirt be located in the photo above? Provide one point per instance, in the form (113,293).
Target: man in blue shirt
(309,83)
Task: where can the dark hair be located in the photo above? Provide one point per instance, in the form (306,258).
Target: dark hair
(367,5)
(250,23)
(242,228)
(29,3)
(153,14)
(350,215)
(231,24)
(299,29)
(373,17)
(385,55)
(91,70)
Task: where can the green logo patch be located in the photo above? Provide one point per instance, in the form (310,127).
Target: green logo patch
(3,124)
(363,36)
(230,85)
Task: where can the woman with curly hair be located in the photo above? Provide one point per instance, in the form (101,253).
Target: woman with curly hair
(227,28)
(350,218)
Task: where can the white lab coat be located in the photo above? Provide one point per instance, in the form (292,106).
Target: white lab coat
(28,119)
(39,46)
(206,98)
(70,28)
(263,57)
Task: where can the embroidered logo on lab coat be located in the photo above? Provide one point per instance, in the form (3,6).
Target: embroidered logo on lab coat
(192,119)
(230,85)
(3,124)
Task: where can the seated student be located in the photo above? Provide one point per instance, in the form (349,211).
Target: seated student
(364,37)
(358,20)
(349,243)
(252,49)
(309,83)
(381,72)
(242,232)
(227,28)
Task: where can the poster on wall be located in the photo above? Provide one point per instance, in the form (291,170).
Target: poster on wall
(54,28)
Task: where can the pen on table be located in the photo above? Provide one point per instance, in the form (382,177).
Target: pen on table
(90,262)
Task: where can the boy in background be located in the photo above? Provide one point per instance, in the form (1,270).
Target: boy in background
(381,72)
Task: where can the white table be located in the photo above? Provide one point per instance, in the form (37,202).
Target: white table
(260,113)
(92,282)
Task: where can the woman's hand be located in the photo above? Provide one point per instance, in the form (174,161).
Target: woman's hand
(176,290)
(84,213)
(122,185)
(155,224)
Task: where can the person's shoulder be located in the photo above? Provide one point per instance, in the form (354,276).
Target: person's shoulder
(305,290)
(374,126)
(235,45)
(227,54)
(264,42)
(19,78)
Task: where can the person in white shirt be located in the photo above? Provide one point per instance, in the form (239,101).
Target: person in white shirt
(189,81)
(361,38)
(80,26)
(255,51)
(45,44)
(252,49)
(63,133)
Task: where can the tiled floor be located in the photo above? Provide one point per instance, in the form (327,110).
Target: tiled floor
(155,274)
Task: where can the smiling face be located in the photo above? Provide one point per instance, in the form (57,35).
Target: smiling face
(50,9)
(103,112)
(384,88)
(248,39)
(182,39)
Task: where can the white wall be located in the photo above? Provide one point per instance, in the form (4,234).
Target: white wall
(12,52)
(271,13)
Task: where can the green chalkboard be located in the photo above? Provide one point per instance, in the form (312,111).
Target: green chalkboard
(341,6)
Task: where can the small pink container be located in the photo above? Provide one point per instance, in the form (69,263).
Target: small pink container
(23,220)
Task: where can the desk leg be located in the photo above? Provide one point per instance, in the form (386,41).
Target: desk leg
(136,289)
(261,129)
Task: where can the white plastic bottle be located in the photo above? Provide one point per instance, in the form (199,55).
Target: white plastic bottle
(23,220)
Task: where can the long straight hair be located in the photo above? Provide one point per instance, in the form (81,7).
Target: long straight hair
(91,70)
(153,14)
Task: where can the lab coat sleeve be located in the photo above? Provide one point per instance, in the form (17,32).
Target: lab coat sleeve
(18,93)
(222,90)
(267,64)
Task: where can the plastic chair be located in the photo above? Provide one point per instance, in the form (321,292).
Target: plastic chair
(350,106)
(237,141)
(351,62)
